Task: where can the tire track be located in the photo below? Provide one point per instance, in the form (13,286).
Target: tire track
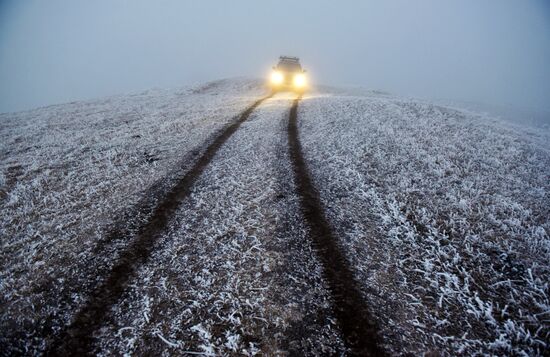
(357,327)
(77,338)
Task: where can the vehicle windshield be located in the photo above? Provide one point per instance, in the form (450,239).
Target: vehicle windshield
(290,66)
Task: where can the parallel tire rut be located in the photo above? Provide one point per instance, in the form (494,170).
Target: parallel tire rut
(77,338)
(355,322)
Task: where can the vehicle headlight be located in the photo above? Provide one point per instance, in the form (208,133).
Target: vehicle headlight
(277,77)
(300,80)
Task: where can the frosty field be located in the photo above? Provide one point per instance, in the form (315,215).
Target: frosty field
(445,218)
(441,213)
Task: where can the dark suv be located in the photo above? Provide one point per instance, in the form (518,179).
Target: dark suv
(288,74)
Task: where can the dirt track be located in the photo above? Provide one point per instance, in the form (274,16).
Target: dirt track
(353,317)
(357,326)
(132,240)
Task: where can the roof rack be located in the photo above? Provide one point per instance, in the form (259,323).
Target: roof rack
(289,58)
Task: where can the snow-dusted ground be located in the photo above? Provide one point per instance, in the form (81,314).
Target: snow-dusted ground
(67,171)
(442,213)
(235,274)
(445,217)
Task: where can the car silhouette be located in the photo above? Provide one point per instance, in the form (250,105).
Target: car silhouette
(288,74)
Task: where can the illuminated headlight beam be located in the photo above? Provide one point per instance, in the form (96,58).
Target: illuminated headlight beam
(277,77)
(300,80)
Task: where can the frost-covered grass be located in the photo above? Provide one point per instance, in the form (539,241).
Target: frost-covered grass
(235,274)
(445,216)
(67,171)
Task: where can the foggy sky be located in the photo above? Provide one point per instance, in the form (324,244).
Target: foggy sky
(492,51)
